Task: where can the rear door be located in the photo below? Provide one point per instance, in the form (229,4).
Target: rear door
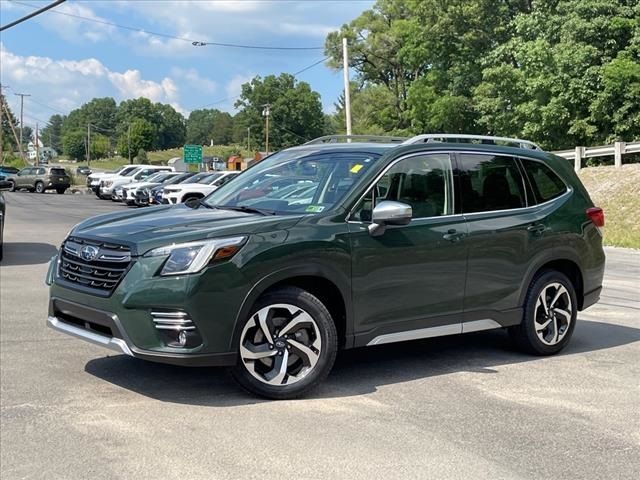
(409,282)
(506,231)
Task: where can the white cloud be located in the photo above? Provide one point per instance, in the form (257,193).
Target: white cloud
(233,89)
(191,77)
(66,84)
(72,29)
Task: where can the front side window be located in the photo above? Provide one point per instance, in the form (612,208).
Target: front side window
(295,181)
(489,183)
(545,183)
(425,182)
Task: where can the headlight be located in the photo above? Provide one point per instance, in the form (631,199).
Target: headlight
(192,257)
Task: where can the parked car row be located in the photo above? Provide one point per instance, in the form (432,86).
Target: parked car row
(143,185)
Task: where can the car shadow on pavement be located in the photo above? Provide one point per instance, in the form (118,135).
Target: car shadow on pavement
(357,371)
(25,253)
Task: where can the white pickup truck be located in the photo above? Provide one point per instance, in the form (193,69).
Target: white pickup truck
(93,180)
(109,184)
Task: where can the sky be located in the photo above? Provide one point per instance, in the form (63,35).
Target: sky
(64,61)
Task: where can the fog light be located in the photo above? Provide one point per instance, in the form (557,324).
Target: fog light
(182,338)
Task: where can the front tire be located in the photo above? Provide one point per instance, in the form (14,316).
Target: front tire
(39,187)
(12,188)
(287,346)
(550,313)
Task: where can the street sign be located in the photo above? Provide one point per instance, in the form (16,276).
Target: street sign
(192,153)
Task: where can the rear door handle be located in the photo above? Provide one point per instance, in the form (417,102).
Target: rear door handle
(536,228)
(453,235)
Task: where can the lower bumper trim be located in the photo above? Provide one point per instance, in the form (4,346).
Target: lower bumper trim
(116,344)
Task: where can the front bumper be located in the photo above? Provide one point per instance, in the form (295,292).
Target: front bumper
(105,329)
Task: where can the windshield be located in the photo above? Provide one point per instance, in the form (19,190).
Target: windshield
(210,178)
(184,177)
(155,178)
(309,181)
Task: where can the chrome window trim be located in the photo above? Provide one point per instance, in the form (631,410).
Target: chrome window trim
(522,171)
(390,166)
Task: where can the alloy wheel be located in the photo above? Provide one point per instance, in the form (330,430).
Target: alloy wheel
(553,313)
(280,344)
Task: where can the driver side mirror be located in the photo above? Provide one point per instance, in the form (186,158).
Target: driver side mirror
(389,213)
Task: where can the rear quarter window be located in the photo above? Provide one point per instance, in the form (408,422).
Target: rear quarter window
(546,185)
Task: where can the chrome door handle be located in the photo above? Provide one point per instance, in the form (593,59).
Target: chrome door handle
(536,229)
(453,235)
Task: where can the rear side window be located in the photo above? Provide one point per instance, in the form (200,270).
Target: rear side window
(40,171)
(545,183)
(489,183)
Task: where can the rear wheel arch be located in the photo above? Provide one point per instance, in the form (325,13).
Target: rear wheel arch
(566,266)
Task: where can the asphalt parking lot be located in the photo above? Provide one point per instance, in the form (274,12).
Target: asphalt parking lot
(467,407)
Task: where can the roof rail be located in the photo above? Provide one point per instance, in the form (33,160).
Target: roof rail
(463,138)
(357,138)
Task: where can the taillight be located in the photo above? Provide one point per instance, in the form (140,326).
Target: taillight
(596,215)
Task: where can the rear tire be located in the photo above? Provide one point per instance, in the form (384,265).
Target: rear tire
(287,345)
(39,187)
(550,311)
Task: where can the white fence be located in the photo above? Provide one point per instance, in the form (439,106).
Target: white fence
(617,150)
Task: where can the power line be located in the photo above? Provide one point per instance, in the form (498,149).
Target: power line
(195,43)
(32,14)
(222,100)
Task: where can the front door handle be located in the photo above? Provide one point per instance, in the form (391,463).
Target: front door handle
(536,228)
(453,235)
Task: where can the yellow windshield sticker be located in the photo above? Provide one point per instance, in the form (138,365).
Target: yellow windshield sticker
(356,168)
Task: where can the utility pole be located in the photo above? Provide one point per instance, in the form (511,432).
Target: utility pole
(13,130)
(265,113)
(129,142)
(347,96)
(22,95)
(1,128)
(249,138)
(88,143)
(37,146)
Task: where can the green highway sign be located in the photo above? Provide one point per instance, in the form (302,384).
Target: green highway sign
(192,153)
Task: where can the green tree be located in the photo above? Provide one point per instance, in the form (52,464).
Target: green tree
(141,137)
(74,144)
(141,157)
(52,134)
(8,140)
(295,114)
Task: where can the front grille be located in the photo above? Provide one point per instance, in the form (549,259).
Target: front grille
(95,265)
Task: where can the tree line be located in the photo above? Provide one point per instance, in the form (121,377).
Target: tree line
(141,125)
(558,72)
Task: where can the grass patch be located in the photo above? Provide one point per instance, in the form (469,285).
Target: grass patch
(617,191)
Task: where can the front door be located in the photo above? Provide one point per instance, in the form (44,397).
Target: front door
(409,282)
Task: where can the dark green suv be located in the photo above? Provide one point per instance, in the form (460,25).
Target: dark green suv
(336,245)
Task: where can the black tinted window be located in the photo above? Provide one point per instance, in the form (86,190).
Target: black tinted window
(545,184)
(58,171)
(489,183)
(424,182)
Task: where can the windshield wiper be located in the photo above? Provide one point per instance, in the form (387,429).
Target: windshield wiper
(245,209)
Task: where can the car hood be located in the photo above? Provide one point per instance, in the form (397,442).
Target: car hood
(154,227)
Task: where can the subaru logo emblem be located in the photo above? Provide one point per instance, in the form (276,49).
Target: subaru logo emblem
(89,253)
